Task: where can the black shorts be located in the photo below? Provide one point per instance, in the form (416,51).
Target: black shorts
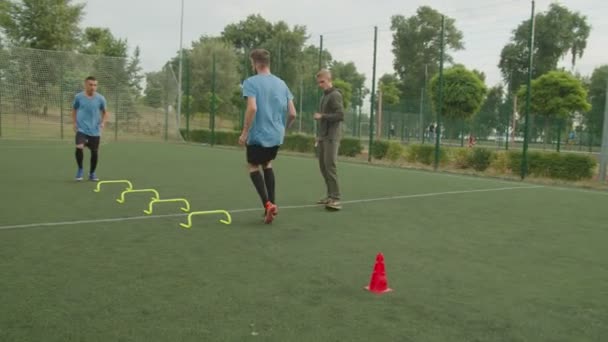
(87,140)
(259,155)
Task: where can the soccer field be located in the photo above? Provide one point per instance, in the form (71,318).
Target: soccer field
(469,259)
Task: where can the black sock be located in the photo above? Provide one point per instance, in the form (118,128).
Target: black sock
(94,156)
(79,157)
(258,182)
(269,180)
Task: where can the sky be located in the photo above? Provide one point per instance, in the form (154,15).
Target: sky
(347,26)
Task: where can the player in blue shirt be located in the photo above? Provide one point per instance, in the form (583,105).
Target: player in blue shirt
(269,102)
(89,116)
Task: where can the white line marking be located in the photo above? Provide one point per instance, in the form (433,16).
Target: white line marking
(388,198)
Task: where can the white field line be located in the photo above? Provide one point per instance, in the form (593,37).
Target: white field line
(367,200)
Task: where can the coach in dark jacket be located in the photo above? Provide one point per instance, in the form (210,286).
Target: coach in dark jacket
(329,120)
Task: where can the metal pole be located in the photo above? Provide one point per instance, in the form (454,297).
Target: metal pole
(604,151)
(462,133)
(360,110)
(403,117)
(187,98)
(212,123)
(422,126)
(373,99)
(0,107)
(559,134)
(61,101)
(179,76)
(301,96)
(420,120)
(507,131)
(440,109)
(524,162)
(509,114)
(116,114)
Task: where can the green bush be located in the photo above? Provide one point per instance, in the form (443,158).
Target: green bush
(227,138)
(462,157)
(481,158)
(379,149)
(299,143)
(567,166)
(425,154)
(578,166)
(500,162)
(394,151)
(350,147)
(514,161)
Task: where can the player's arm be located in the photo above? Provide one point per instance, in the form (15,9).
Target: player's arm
(252,108)
(104,117)
(337,113)
(75,106)
(74,120)
(104,114)
(292,113)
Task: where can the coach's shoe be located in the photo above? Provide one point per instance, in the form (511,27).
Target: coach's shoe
(79,174)
(324,200)
(271,212)
(333,204)
(93,177)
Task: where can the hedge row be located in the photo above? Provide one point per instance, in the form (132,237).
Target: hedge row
(566,166)
(293,142)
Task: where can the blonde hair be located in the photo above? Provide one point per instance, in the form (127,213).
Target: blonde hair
(324,73)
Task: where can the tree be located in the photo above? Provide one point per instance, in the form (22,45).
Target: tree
(248,34)
(153,93)
(389,87)
(417,45)
(346,90)
(285,47)
(285,44)
(201,66)
(100,41)
(594,119)
(348,72)
(556,94)
(40,24)
(134,72)
(488,118)
(463,95)
(558,32)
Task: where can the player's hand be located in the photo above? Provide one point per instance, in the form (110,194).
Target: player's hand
(103,125)
(317,116)
(75,127)
(243,138)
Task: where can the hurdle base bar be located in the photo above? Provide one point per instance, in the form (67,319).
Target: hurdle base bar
(122,195)
(129,187)
(227,221)
(185,209)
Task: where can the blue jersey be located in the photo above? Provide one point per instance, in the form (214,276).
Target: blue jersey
(88,113)
(272,97)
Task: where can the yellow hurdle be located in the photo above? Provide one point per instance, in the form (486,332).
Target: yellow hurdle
(189,224)
(98,189)
(184,209)
(122,195)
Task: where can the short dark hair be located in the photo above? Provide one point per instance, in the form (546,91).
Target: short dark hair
(90,78)
(260,56)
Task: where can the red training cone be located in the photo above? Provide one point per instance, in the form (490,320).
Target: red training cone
(378,283)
